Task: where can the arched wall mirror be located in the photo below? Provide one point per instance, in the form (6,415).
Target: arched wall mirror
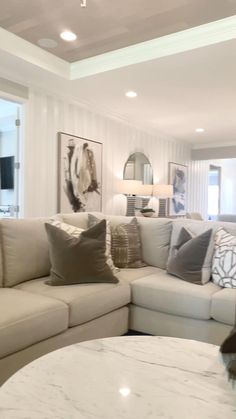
(138,167)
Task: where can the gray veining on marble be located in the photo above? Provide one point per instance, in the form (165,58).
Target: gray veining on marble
(136,377)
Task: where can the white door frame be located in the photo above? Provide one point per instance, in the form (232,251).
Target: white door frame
(22,102)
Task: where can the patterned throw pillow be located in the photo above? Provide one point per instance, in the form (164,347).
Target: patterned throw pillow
(92,221)
(224,260)
(126,245)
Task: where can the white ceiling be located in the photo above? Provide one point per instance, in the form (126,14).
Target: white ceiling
(176,94)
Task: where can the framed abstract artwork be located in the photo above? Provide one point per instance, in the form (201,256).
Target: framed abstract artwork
(79,174)
(178,178)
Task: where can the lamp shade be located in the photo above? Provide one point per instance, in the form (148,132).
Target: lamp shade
(128,187)
(145,190)
(163,191)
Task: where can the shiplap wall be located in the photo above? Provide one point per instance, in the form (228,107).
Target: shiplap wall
(47,114)
(198,187)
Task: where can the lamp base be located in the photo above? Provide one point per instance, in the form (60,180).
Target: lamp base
(130,210)
(162,208)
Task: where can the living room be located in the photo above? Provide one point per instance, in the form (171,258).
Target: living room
(154,79)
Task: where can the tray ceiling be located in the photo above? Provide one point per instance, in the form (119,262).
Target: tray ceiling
(106,25)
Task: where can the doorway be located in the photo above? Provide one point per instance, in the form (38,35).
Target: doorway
(9,158)
(214,192)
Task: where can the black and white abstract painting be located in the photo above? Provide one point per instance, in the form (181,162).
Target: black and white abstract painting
(79,174)
(178,178)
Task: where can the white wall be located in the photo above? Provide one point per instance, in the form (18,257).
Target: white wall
(228,185)
(198,186)
(47,114)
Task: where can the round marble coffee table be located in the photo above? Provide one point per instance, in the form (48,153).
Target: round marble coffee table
(136,377)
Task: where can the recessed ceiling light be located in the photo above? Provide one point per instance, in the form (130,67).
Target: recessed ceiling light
(131,94)
(47,43)
(68,36)
(199,129)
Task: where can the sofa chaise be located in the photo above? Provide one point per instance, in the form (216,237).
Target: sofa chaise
(36,318)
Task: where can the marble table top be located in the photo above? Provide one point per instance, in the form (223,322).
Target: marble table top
(133,377)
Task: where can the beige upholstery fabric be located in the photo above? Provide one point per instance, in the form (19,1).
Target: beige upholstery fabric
(155,238)
(163,324)
(78,219)
(223,307)
(165,293)
(111,324)
(86,301)
(131,274)
(27,318)
(25,250)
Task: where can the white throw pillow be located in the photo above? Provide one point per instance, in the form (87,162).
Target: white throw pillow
(224,260)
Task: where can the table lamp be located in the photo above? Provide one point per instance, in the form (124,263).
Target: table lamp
(163,192)
(130,188)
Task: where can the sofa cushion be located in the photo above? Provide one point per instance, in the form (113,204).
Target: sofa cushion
(187,257)
(24,250)
(27,318)
(78,219)
(86,301)
(131,274)
(223,307)
(165,293)
(155,238)
(77,260)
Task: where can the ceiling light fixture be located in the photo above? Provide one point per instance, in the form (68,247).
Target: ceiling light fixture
(199,130)
(68,36)
(47,43)
(83,3)
(131,94)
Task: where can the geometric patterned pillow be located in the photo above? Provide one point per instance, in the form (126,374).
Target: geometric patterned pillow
(224,260)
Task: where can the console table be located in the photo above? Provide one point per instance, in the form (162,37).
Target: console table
(132,377)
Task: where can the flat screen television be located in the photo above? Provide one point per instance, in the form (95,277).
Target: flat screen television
(7,172)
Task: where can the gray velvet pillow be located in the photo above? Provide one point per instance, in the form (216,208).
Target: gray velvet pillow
(78,260)
(187,257)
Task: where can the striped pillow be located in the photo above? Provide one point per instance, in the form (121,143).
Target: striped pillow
(126,245)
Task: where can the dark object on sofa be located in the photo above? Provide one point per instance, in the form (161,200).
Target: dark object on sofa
(228,351)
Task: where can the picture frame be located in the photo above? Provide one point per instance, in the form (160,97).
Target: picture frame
(178,178)
(79,174)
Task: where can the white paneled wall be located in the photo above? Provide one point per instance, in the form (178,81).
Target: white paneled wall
(198,187)
(46,115)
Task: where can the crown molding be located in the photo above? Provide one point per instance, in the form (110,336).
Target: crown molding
(193,38)
(197,37)
(33,54)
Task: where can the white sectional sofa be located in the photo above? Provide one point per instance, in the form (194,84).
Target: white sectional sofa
(36,318)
